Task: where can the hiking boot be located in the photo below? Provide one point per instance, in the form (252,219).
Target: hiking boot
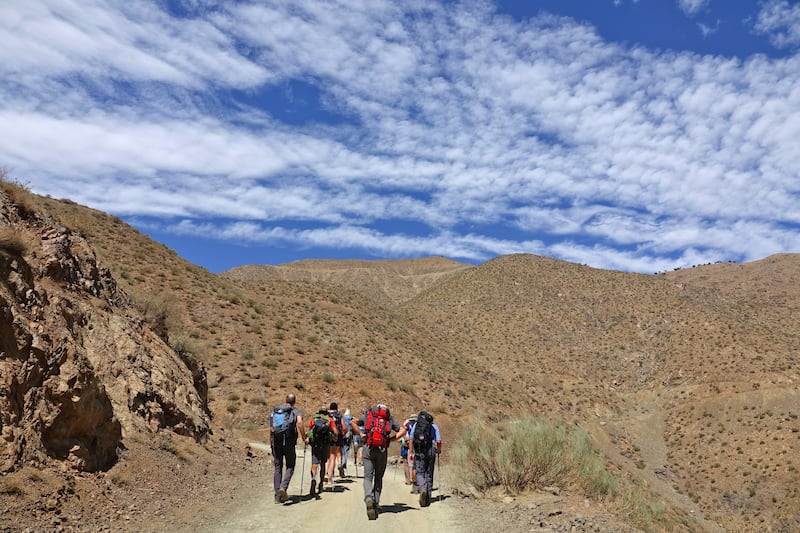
(424,499)
(372,509)
(321,481)
(313,487)
(341,471)
(283,495)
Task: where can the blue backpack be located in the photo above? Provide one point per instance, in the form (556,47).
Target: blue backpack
(284,421)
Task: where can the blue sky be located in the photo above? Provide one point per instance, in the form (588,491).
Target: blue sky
(628,135)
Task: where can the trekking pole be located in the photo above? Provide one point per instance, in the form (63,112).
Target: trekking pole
(355,459)
(303,472)
(439,466)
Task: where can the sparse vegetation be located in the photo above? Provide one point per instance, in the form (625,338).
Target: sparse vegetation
(12,241)
(528,452)
(11,487)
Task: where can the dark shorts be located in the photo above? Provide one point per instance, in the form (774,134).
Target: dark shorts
(319,454)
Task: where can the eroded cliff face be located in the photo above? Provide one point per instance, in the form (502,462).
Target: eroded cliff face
(80,371)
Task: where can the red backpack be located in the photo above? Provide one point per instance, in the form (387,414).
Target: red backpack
(378,426)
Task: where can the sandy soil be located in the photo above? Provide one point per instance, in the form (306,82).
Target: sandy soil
(340,507)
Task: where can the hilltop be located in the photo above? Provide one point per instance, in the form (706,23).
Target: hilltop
(385,282)
(687,380)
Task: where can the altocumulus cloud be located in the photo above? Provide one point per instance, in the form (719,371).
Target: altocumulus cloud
(438,129)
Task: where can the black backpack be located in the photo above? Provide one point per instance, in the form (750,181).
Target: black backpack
(337,417)
(424,436)
(320,432)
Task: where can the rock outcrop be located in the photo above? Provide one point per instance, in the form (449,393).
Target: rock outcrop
(80,370)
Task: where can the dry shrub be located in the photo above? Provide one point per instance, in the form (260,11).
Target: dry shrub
(11,487)
(528,453)
(159,310)
(18,193)
(12,241)
(642,508)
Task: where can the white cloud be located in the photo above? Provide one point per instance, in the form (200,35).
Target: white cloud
(132,41)
(780,21)
(693,7)
(455,119)
(707,30)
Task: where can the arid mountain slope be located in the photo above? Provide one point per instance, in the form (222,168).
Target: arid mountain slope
(261,339)
(687,380)
(694,387)
(386,282)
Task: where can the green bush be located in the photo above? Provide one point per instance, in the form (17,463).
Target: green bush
(527,453)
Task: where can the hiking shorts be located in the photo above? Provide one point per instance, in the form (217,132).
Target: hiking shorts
(319,456)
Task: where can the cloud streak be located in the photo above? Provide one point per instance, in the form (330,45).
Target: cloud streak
(461,132)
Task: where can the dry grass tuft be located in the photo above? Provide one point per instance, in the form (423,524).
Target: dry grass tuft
(12,241)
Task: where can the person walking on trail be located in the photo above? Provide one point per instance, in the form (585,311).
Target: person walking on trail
(374,429)
(285,424)
(405,457)
(336,446)
(348,441)
(426,445)
(358,444)
(321,433)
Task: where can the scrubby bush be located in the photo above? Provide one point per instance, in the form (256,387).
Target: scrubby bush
(19,193)
(12,241)
(527,453)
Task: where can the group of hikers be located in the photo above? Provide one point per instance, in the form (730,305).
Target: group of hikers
(331,434)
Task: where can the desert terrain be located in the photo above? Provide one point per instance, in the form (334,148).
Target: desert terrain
(135,386)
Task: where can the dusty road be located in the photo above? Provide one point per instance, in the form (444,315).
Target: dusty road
(341,506)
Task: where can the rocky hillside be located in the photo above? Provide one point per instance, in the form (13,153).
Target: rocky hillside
(119,357)
(83,377)
(80,368)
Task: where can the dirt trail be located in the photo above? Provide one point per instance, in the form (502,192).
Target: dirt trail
(341,506)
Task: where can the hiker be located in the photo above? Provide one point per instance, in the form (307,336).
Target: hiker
(405,457)
(285,424)
(358,444)
(426,445)
(404,460)
(374,430)
(321,433)
(336,446)
(348,440)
